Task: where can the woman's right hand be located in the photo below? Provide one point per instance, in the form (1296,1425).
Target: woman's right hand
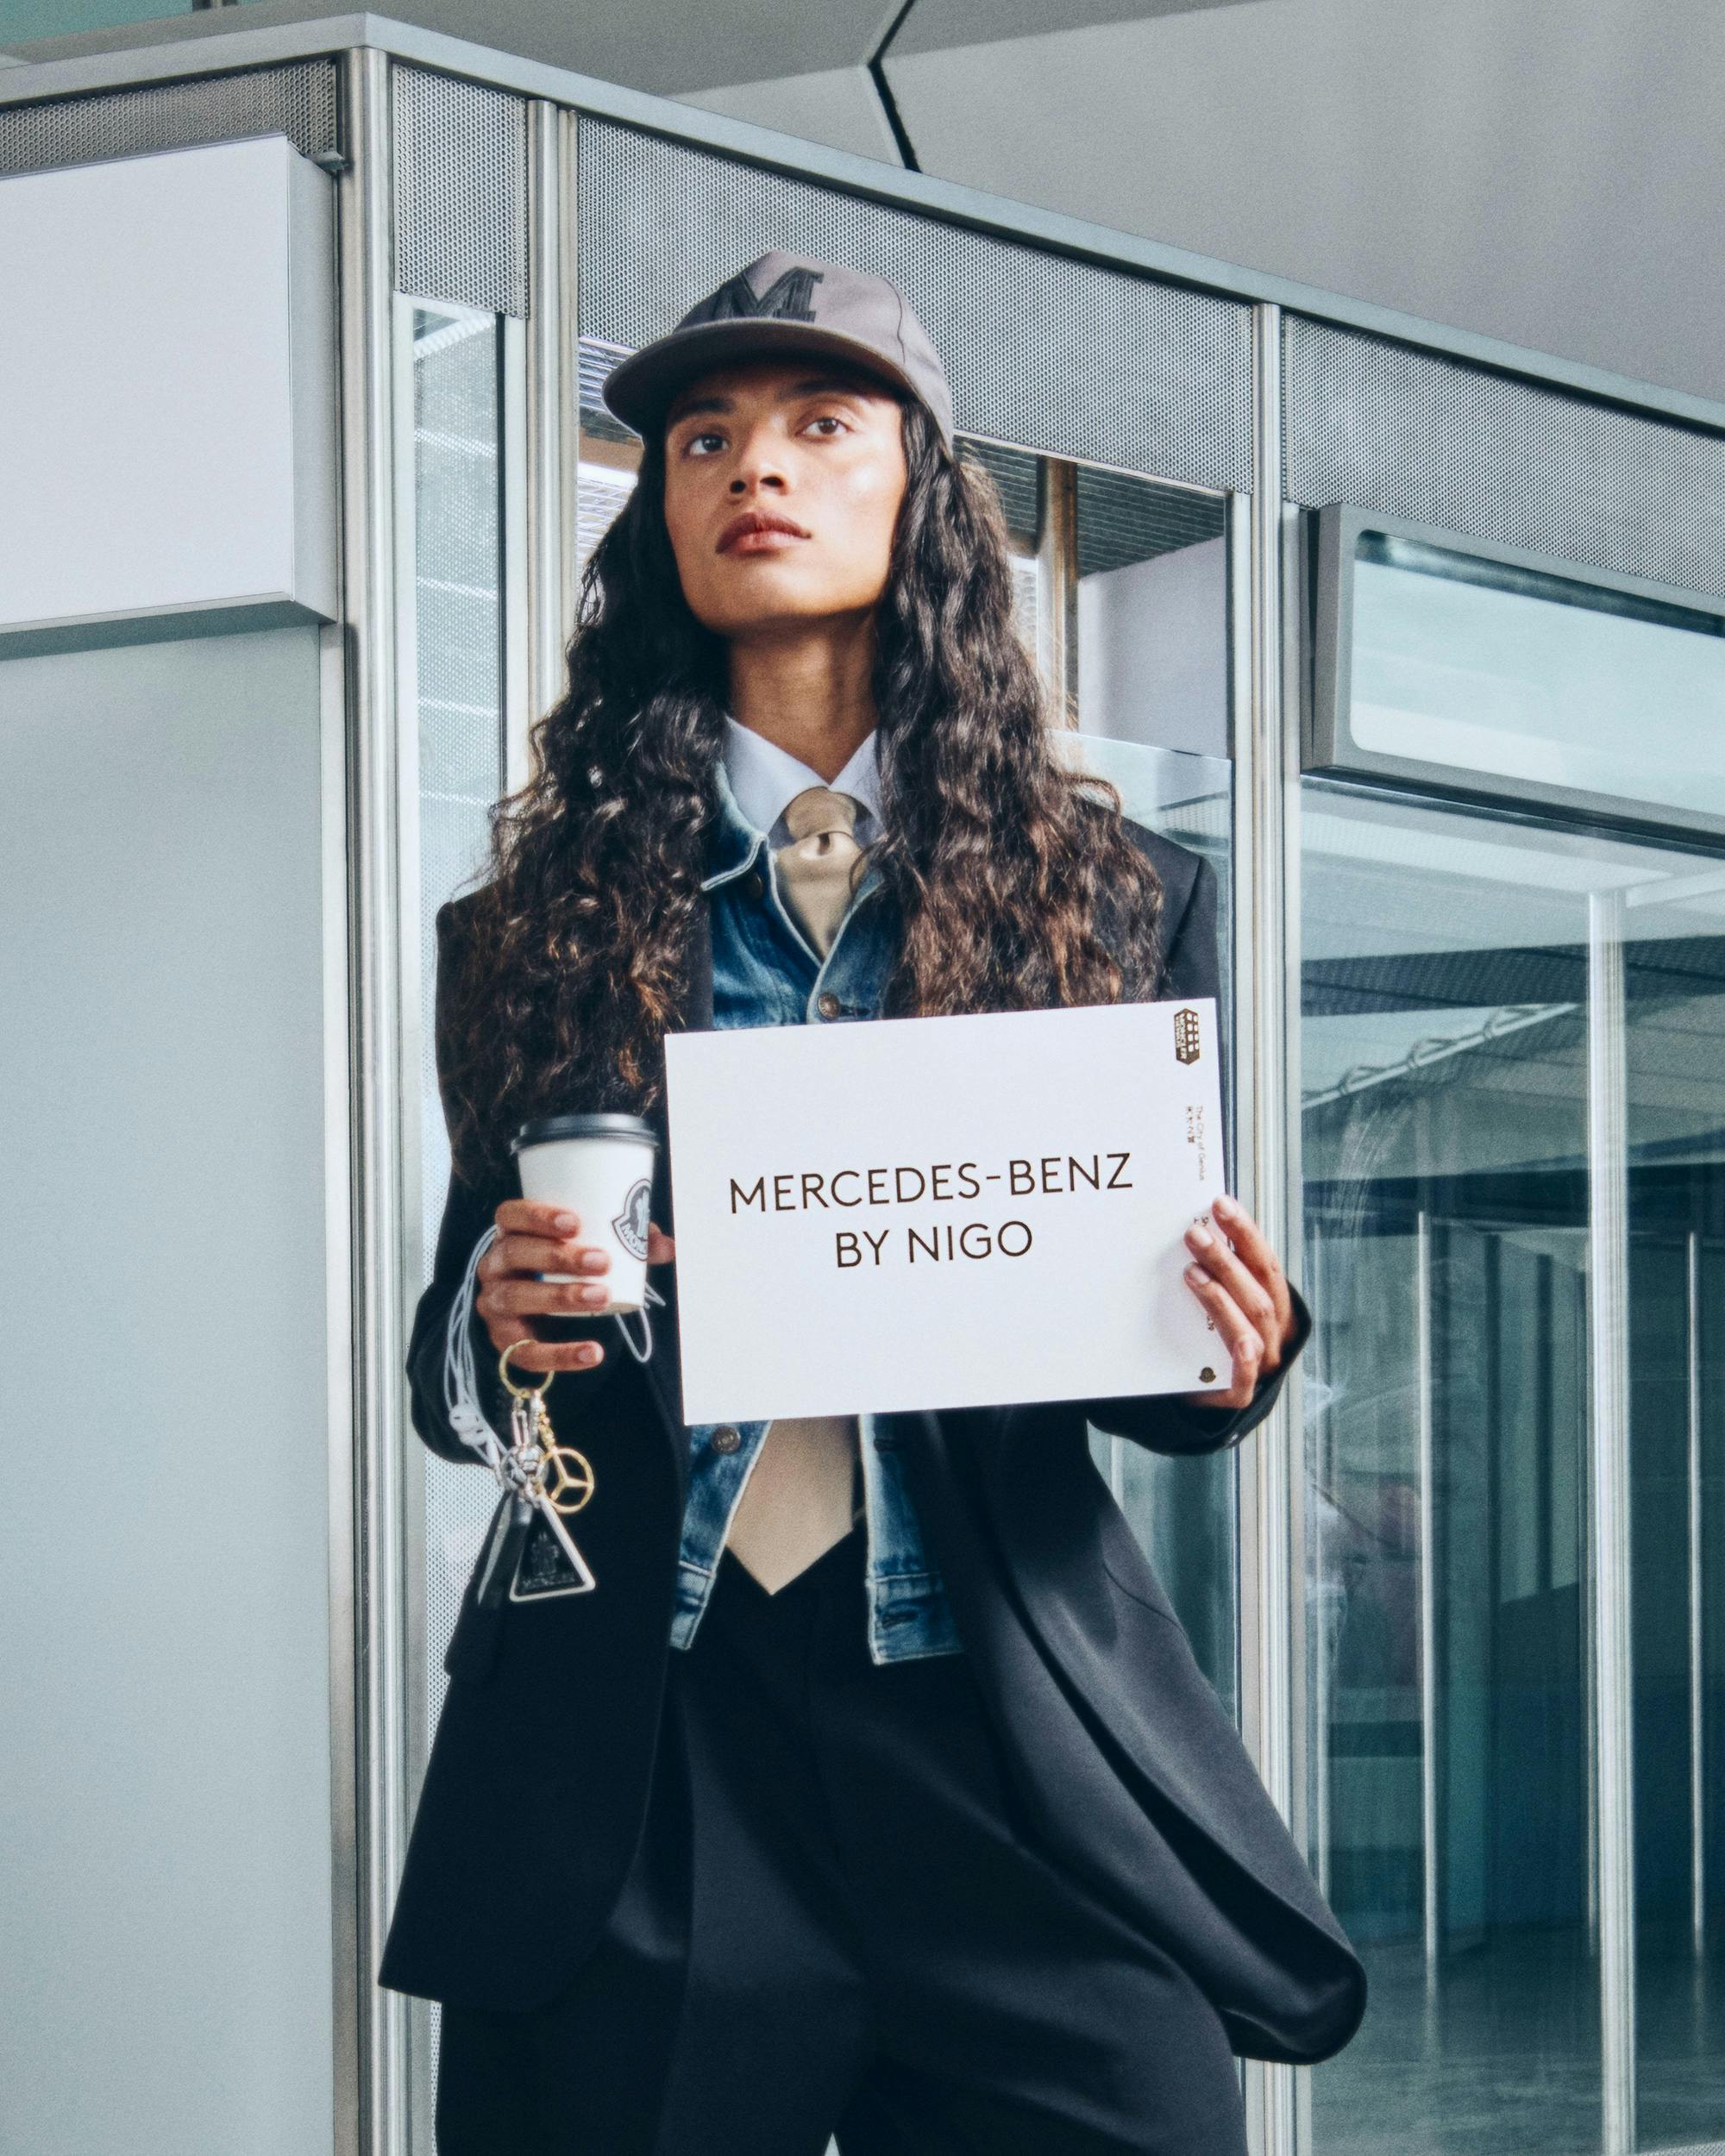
(534,1239)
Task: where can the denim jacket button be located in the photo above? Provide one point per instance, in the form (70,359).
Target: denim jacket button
(755,886)
(828,1004)
(727,1439)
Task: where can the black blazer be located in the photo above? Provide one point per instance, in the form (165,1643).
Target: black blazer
(1127,1766)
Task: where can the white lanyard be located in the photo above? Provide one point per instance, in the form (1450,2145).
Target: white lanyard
(460,1384)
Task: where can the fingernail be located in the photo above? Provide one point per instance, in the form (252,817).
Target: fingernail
(1225,1206)
(589,1355)
(594,1295)
(594,1262)
(1199,1237)
(1196,1275)
(566,1222)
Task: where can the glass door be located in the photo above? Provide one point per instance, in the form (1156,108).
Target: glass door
(1513,1102)
(1674,1061)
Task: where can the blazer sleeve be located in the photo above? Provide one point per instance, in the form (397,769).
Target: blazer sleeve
(1163,1422)
(469,1211)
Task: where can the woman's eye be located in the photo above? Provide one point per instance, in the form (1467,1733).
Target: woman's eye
(702,444)
(830,419)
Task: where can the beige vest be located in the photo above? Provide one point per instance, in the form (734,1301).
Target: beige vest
(801,1498)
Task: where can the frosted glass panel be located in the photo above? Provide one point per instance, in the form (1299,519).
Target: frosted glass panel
(1458,661)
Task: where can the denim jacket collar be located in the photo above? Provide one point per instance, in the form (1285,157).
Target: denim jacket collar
(733,845)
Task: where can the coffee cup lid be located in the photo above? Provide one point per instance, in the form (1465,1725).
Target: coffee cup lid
(546,1129)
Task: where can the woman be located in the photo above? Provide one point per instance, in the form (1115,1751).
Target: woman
(874,1791)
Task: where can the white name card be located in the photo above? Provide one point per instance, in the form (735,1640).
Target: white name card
(942,1213)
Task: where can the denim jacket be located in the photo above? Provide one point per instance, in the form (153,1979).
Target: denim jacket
(766,972)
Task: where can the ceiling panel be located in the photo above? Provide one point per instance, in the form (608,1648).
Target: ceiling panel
(1546,172)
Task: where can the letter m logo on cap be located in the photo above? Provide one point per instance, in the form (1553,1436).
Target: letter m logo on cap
(1188,1035)
(785,299)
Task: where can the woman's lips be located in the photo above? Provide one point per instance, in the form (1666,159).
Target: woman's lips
(759,531)
(762,542)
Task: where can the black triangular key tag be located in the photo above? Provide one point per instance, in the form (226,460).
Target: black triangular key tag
(544,1567)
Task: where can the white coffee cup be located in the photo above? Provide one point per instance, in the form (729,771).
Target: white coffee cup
(599,1166)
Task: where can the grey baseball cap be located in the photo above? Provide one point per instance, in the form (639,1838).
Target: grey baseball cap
(786,304)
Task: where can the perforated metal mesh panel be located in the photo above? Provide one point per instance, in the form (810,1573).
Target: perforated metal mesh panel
(298,102)
(1043,351)
(1417,434)
(460,193)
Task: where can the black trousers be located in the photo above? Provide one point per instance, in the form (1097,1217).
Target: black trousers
(836,1925)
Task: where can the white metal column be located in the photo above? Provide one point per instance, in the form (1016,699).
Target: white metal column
(380,1083)
(1696,1490)
(1609,1357)
(551,414)
(1430,1877)
(1264,760)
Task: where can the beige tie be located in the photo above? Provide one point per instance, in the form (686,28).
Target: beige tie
(800,1495)
(821,867)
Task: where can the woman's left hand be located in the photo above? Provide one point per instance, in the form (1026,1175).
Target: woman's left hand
(1244,1293)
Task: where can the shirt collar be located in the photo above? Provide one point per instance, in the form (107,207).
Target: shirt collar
(738,835)
(765,778)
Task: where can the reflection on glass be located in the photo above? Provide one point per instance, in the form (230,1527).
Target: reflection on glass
(1453,977)
(452,644)
(1674,997)
(609,456)
(457,665)
(1149,615)
(1460,661)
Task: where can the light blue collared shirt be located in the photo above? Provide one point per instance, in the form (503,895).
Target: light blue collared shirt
(764,778)
(766,972)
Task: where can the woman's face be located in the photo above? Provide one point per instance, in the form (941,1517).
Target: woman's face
(782,484)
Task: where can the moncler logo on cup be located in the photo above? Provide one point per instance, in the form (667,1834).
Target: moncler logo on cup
(630,1224)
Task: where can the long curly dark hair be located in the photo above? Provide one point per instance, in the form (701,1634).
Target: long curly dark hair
(1015,884)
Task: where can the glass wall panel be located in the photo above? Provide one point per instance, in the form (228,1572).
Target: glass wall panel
(1122,596)
(1674,993)
(456,676)
(1455,971)
(453,648)
(1150,678)
(610,454)
(1444,1106)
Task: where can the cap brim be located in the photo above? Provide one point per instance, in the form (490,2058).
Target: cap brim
(638,391)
